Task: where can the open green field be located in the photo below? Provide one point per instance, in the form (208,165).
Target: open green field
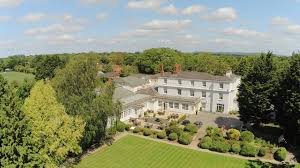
(134,152)
(16,76)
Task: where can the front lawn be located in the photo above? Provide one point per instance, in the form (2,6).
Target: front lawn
(132,151)
(16,76)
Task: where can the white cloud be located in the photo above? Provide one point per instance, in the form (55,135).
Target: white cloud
(10,3)
(145,4)
(222,41)
(167,24)
(188,36)
(293,29)
(101,16)
(280,21)
(242,32)
(226,14)
(32,17)
(5,18)
(169,10)
(54,29)
(193,9)
(90,1)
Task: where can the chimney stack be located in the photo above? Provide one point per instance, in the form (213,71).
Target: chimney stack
(177,68)
(228,73)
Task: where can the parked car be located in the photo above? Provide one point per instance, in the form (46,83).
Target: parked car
(185,122)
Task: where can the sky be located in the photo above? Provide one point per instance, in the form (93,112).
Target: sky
(71,26)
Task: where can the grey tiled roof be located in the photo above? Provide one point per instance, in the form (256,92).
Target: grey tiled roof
(131,81)
(121,93)
(197,76)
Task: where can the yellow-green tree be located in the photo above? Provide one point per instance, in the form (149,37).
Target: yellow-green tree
(54,133)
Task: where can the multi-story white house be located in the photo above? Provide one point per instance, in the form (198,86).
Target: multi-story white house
(178,92)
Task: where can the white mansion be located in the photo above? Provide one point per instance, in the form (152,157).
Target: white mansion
(178,92)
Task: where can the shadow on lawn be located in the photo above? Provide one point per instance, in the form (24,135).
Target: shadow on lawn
(260,164)
(228,122)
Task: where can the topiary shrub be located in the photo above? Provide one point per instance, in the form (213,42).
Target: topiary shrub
(233,134)
(248,150)
(173,136)
(120,126)
(161,135)
(220,146)
(147,132)
(137,130)
(247,136)
(127,127)
(205,143)
(185,139)
(280,154)
(174,129)
(236,148)
(192,128)
(262,151)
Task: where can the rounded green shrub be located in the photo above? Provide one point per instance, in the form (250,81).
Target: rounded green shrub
(192,128)
(127,127)
(247,136)
(236,148)
(280,154)
(214,132)
(173,136)
(248,150)
(161,135)
(185,139)
(206,139)
(147,132)
(174,129)
(205,142)
(262,151)
(120,126)
(137,130)
(220,146)
(233,134)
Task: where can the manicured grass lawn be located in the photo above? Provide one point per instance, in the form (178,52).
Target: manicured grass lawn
(131,152)
(16,76)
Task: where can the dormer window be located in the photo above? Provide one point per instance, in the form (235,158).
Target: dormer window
(221,85)
(179,81)
(165,81)
(204,84)
(192,83)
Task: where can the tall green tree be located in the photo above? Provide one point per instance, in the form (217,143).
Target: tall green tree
(54,133)
(46,66)
(256,91)
(287,100)
(76,88)
(16,147)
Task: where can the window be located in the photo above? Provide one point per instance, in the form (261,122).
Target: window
(176,105)
(220,107)
(179,81)
(185,107)
(220,96)
(171,104)
(203,94)
(203,105)
(159,103)
(221,85)
(179,91)
(192,83)
(165,81)
(192,93)
(204,84)
(165,90)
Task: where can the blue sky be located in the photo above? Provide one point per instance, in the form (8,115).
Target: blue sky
(67,26)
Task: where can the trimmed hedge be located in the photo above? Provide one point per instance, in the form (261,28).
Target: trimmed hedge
(192,128)
(280,154)
(236,148)
(262,151)
(248,150)
(137,130)
(185,139)
(147,132)
(233,134)
(173,136)
(247,136)
(205,142)
(161,135)
(220,146)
